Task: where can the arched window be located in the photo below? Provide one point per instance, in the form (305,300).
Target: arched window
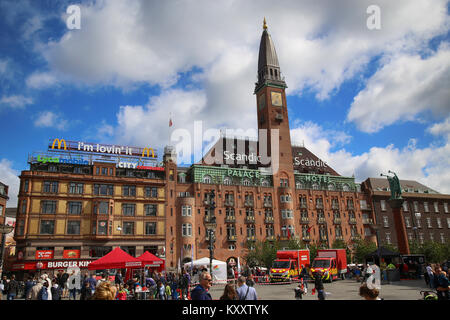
(315,186)
(207,179)
(345,187)
(331,187)
(299,185)
(265,183)
(246,182)
(227,181)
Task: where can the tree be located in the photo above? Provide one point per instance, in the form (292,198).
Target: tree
(362,248)
(340,244)
(261,253)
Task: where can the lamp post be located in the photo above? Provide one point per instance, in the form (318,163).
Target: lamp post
(210,225)
(4,230)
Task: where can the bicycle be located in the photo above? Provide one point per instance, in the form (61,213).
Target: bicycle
(428,295)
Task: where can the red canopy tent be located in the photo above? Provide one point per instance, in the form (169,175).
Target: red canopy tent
(116,259)
(150,260)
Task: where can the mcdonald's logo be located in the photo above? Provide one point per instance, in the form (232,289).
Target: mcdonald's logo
(60,141)
(148,152)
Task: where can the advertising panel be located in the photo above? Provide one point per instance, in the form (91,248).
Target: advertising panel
(71,254)
(44,254)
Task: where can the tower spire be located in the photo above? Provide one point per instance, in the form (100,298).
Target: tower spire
(264,24)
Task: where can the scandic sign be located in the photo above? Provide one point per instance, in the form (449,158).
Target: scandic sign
(101,148)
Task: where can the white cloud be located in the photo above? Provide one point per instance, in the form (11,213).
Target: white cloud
(48,119)
(429,166)
(16,101)
(9,176)
(40,80)
(3,66)
(402,89)
(441,129)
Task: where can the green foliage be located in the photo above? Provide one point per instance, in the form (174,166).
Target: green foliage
(312,251)
(362,248)
(261,253)
(434,252)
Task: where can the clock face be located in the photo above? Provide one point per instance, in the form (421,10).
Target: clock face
(276,99)
(262,101)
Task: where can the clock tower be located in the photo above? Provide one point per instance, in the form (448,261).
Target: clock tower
(272,109)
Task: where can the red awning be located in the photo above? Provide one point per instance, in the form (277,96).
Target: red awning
(150,260)
(116,259)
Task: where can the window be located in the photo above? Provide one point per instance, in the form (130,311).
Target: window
(432,236)
(186,230)
(331,187)
(186,211)
(385,222)
(47,226)
(436,207)
(429,223)
(51,186)
(362,203)
(102,228)
(98,252)
(287,214)
(246,182)
(439,223)
(74,207)
(448,223)
(129,191)
(26,185)
(104,189)
(345,187)
(418,223)
(104,171)
(315,186)
(299,185)
(265,183)
(269,230)
(388,237)
(151,192)
(128,209)
(227,181)
(20,227)
(77,170)
(23,208)
(76,188)
(383,205)
(284,182)
(73,227)
(128,228)
(416,206)
(405,206)
(445,207)
(207,179)
(407,222)
(111,171)
(150,210)
(442,238)
(48,206)
(103,207)
(425,207)
(251,230)
(150,228)
(421,238)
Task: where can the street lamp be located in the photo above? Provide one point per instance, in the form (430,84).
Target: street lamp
(210,225)
(4,230)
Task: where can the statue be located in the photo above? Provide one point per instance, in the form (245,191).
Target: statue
(394,185)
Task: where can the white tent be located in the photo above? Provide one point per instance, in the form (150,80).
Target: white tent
(219,268)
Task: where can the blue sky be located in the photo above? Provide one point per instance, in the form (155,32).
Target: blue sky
(365,101)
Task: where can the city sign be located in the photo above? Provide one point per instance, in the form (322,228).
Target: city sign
(62,144)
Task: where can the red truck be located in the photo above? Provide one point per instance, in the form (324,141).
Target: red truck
(288,264)
(332,263)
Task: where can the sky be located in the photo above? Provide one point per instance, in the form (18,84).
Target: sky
(368,91)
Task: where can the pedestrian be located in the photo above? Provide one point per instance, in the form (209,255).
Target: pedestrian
(103,292)
(301,290)
(174,287)
(122,293)
(43,293)
(442,285)
(168,291)
(245,292)
(357,274)
(103,279)
(318,285)
(12,288)
(86,291)
(367,293)
(185,280)
(73,286)
(56,290)
(229,293)
(3,283)
(250,282)
(92,283)
(34,292)
(118,280)
(29,283)
(200,292)
(428,274)
(161,291)
(63,284)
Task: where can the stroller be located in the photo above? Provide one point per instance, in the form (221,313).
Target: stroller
(428,295)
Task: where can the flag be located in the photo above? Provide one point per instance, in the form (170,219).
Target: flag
(170,120)
(288,233)
(238,267)
(309,230)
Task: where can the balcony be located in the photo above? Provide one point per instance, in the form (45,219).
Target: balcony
(306,238)
(337,220)
(250,219)
(267,204)
(270,238)
(352,221)
(341,238)
(335,206)
(251,238)
(367,221)
(207,237)
(350,207)
(319,205)
(303,205)
(269,219)
(230,219)
(304,220)
(232,238)
(356,237)
(321,220)
(323,238)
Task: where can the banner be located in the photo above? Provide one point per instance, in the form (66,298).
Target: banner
(71,254)
(44,254)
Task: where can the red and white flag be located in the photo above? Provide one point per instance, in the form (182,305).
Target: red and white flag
(170,120)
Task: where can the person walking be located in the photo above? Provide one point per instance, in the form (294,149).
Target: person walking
(200,292)
(63,284)
(86,291)
(92,283)
(118,280)
(12,288)
(318,285)
(28,285)
(229,293)
(43,292)
(430,274)
(442,284)
(56,290)
(244,291)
